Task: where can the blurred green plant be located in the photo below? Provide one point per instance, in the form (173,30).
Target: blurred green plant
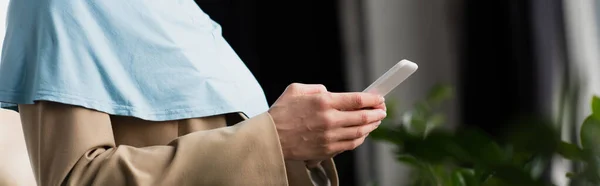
(470,157)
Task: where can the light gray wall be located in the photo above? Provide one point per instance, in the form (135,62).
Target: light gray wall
(385,32)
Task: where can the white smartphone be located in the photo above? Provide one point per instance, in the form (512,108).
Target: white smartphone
(392,78)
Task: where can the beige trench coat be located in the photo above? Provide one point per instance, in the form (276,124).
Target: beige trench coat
(70,145)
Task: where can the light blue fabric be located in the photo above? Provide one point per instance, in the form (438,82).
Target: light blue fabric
(152,59)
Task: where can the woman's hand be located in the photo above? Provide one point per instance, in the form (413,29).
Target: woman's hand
(314,124)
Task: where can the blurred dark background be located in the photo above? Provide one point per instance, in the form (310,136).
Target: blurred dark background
(497,53)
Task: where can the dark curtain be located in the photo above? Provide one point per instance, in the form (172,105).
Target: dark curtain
(512,52)
(282,43)
(498,72)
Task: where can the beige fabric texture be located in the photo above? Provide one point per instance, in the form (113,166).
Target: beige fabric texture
(71,145)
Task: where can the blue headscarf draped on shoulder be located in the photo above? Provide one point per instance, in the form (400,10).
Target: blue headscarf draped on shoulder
(155,60)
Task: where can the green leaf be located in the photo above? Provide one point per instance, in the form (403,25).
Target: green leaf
(596,107)
(410,160)
(532,136)
(536,166)
(438,94)
(500,181)
(422,109)
(521,158)
(494,181)
(590,134)
(458,179)
(470,177)
(592,169)
(481,173)
(464,177)
(417,125)
(388,134)
(391,109)
(434,122)
(511,175)
(480,147)
(437,119)
(432,149)
(570,151)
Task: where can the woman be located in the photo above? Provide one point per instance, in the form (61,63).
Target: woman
(149,93)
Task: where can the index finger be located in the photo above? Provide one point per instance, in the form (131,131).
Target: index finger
(358,100)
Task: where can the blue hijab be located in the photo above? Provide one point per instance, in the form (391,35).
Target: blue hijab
(156,60)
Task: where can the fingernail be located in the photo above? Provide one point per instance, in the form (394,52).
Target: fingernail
(381,99)
(377,124)
(383,112)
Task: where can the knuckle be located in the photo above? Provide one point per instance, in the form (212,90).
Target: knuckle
(322,101)
(327,125)
(357,143)
(330,149)
(358,100)
(364,117)
(358,133)
(322,87)
(361,132)
(293,86)
(350,146)
(328,122)
(328,137)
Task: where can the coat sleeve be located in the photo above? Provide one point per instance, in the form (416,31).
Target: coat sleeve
(70,145)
